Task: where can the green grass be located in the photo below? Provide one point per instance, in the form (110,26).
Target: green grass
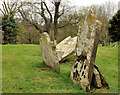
(24,71)
(116,44)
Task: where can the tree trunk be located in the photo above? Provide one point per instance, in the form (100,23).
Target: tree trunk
(57,4)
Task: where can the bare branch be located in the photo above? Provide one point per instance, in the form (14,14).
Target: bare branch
(6,7)
(63,25)
(68,23)
(15,8)
(2,12)
(12,6)
(42,13)
(48,11)
(9,7)
(61,13)
(35,24)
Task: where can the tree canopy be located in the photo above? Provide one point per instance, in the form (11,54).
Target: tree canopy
(9,26)
(114,27)
(10,29)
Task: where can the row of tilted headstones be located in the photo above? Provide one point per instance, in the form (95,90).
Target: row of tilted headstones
(86,48)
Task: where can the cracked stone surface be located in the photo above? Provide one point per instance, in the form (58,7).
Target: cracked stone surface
(86,48)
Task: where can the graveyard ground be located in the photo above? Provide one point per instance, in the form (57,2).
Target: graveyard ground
(23,71)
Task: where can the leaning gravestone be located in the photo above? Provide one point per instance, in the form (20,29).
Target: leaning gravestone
(84,71)
(66,48)
(48,49)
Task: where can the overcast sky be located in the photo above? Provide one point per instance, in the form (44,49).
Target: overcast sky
(79,2)
(90,2)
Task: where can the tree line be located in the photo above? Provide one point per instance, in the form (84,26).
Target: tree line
(22,22)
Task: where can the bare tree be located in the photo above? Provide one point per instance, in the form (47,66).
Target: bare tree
(9,25)
(9,8)
(43,11)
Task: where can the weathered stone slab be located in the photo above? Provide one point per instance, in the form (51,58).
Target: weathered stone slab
(66,48)
(103,81)
(48,49)
(96,79)
(86,48)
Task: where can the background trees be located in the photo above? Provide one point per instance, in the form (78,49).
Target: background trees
(103,13)
(114,27)
(9,25)
(50,17)
(10,29)
(27,33)
(58,19)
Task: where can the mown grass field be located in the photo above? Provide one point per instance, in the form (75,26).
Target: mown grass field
(24,71)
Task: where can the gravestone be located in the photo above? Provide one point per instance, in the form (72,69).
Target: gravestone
(66,48)
(84,71)
(48,49)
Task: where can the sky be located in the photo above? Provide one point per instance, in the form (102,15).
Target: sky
(79,2)
(90,2)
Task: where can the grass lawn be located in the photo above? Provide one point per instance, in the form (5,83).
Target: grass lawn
(24,71)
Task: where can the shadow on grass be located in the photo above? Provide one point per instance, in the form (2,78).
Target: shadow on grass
(41,64)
